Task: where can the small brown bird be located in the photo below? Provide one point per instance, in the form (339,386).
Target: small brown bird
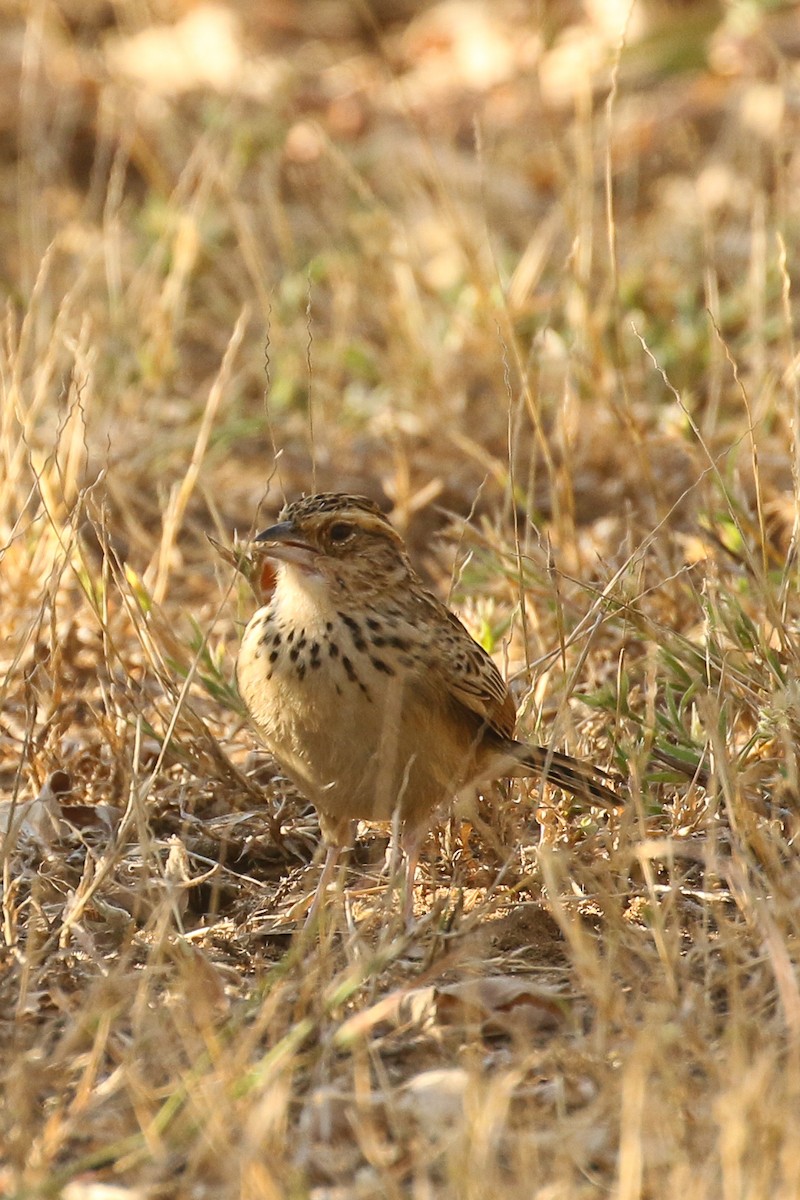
(369,692)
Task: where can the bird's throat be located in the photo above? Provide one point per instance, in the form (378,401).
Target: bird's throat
(301,599)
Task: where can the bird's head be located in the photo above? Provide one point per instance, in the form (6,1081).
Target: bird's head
(342,542)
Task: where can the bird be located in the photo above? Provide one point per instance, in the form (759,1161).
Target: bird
(371,695)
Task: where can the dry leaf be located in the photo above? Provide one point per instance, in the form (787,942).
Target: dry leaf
(500,1004)
(90,1189)
(435,1101)
(202,49)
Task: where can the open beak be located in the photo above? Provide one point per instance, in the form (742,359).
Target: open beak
(283,542)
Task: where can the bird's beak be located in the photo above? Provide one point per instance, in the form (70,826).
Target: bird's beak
(282,541)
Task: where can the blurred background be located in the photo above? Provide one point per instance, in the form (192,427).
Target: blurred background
(441,228)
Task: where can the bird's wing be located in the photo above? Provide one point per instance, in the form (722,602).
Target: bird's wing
(467,673)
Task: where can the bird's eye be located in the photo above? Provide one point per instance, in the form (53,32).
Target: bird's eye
(340,532)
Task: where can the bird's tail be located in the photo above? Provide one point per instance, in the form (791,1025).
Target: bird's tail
(580,779)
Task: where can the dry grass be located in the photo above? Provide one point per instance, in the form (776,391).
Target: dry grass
(533,284)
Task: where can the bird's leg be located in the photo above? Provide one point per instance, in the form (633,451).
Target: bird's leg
(328,868)
(392,857)
(411,843)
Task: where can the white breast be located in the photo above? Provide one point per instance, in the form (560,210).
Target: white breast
(301,600)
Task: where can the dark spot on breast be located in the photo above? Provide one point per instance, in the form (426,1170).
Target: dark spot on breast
(333,649)
(301,642)
(399,643)
(274,654)
(349,669)
(276,641)
(290,636)
(355,630)
(329,626)
(315,662)
(301,671)
(373,624)
(380,665)
(294,654)
(315,649)
(377,641)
